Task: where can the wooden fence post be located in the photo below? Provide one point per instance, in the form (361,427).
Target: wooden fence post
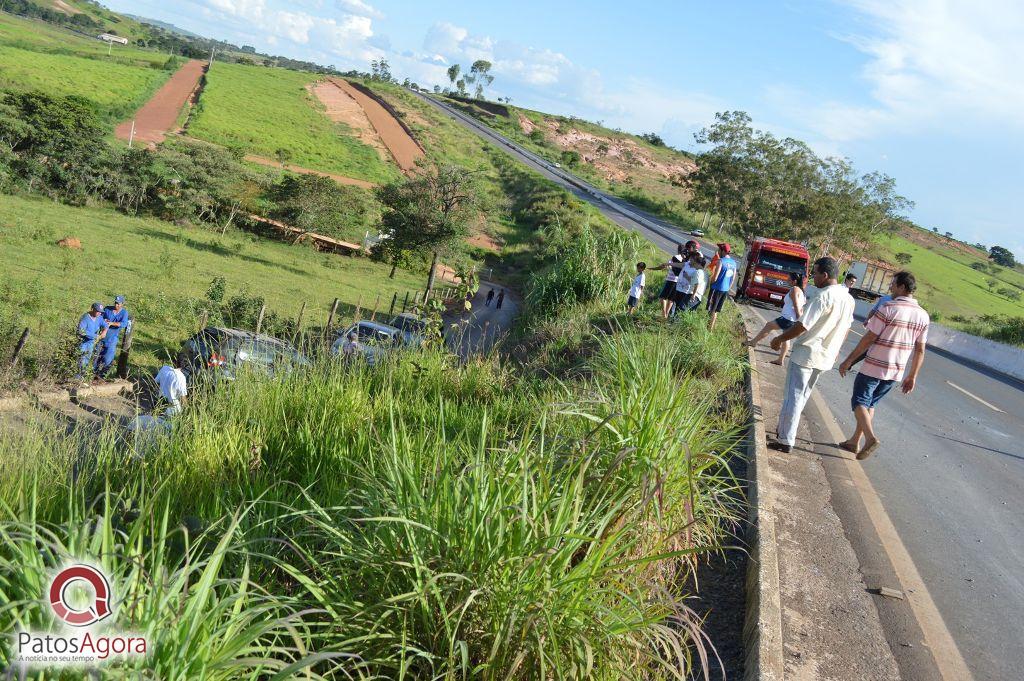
(204,319)
(376,304)
(359,307)
(405,303)
(330,318)
(394,299)
(19,346)
(259,319)
(126,350)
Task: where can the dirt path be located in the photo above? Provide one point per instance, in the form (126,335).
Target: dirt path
(485,324)
(402,147)
(340,179)
(159,116)
(341,108)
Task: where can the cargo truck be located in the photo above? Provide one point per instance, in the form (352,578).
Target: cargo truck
(768,265)
(872,280)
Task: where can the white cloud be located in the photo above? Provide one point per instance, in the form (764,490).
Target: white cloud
(931,64)
(360,8)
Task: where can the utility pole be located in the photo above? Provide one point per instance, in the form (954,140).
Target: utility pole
(212,50)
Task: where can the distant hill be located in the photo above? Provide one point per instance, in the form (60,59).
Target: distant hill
(164,25)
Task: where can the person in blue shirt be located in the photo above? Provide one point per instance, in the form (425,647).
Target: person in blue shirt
(92,327)
(116,317)
(724,276)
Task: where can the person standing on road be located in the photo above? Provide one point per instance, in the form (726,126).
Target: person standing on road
(896,334)
(173,386)
(501,299)
(636,291)
(668,291)
(116,316)
(91,329)
(818,337)
(490,297)
(722,279)
(792,308)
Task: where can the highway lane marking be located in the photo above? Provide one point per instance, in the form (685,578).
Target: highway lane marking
(975,397)
(940,641)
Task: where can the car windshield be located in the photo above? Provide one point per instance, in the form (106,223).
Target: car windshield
(373,336)
(782,262)
(259,352)
(409,324)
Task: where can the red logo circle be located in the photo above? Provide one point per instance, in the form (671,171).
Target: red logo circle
(97,610)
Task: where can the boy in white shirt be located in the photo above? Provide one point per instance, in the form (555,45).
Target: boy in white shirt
(636,291)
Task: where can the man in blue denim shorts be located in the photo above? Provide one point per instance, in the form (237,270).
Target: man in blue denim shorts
(896,336)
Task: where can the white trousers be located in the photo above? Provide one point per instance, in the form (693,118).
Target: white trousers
(799,384)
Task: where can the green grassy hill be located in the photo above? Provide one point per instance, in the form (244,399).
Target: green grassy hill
(949,285)
(163,269)
(37,56)
(263,110)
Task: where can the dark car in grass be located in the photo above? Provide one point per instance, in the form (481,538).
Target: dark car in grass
(413,328)
(222,353)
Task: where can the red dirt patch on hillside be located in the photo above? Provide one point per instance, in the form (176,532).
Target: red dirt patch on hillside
(340,107)
(402,147)
(159,116)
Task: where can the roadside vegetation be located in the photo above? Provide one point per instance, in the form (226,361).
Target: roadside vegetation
(262,111)
(528,515)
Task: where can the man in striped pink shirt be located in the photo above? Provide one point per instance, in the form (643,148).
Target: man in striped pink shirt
(896,337)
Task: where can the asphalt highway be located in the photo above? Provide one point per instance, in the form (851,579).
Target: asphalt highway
(949,475)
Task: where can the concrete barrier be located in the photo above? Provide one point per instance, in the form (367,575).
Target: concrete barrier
(999,357)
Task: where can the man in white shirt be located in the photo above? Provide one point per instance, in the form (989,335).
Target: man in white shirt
(173,387)
(818,338)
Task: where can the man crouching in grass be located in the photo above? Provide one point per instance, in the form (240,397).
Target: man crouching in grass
(896,334)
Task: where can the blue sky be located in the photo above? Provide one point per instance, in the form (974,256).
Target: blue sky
(928,91)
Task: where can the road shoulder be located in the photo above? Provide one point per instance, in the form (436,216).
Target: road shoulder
(830,628)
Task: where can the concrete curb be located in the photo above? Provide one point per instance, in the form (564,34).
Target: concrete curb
(762,627)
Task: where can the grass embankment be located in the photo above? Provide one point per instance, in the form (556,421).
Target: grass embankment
(164,270)
(949,285)
(262,110)
(39,36)
(422,519)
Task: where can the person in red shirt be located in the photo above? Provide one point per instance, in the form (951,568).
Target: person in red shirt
(896,337)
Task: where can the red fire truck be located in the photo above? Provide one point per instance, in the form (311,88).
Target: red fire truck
(768,266)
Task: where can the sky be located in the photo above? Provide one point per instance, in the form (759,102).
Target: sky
(928,91)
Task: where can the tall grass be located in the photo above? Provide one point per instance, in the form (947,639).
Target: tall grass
(422,519)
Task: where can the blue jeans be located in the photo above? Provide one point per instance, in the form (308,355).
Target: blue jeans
(799,386)
(105,358)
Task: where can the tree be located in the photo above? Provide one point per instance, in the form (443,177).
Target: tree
(313,203)
(904,258)
(453,73)
(427,212)
(380,70)
(570,158)
(461,85)
(480,74)
(653,138)
(1002,256)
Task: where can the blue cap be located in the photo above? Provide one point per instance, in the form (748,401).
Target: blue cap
(98,307)
(119,299)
